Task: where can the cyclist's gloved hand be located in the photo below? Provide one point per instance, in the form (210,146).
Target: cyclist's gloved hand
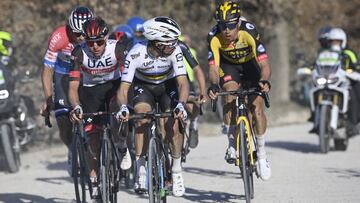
(213,89)
(180,111)
(265,85)
(123,113)
(76,113)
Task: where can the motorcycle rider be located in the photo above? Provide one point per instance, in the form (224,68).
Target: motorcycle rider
(338,42)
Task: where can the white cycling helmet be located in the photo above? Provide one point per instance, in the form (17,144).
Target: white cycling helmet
(161,29)
(77,18)
(338,34)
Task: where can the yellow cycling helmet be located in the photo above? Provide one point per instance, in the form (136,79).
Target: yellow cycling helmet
(5,43)
(227,12)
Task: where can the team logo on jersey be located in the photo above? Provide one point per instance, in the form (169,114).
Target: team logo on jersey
(134,56)
(126,64)
(99,63)
(261,48)
(179,57)
(250,26)
(145,64)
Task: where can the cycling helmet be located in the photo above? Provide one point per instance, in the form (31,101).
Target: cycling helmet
(5,43)
(95,29)
(77,18)
(338,34)
(126,29)
(161,29)
(227,12)
(136,24)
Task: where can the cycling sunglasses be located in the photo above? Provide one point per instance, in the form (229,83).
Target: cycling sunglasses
(223,25)
(77,34)
(98,42)
(170,44)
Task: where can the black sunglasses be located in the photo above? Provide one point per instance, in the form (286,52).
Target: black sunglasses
(223,25)
(98,42)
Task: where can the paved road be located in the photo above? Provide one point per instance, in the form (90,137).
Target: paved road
(300,173)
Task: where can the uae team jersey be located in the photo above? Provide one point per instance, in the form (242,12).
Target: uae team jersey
(142,66)
(58,51)
(97,70)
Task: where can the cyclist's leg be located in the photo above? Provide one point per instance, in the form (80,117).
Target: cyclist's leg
(168,101)
(143,102)
(193,112)
(93,99)
(62,108)
(230,81)
(256,104)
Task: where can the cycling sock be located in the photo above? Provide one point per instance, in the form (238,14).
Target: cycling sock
(176,165)
(140,161)
(231,138)
(260,141)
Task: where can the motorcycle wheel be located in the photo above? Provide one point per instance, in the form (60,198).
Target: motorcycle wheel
(324,134)
(11,155)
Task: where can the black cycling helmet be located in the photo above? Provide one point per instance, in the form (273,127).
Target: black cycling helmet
(227,12)
(78,16)
(95,29)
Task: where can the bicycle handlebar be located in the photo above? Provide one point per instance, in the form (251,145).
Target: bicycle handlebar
(151,115)
(243,93)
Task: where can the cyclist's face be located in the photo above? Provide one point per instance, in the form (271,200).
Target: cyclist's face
(78,37)
(97,47)
(167,48)
(228,29)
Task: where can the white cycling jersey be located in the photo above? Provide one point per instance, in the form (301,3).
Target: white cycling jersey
(100,70)
(144,67)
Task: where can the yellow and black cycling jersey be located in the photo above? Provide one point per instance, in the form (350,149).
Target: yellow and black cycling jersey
(247,46)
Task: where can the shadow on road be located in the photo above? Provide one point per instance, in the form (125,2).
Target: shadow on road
(211,173)
(344,173)
(294,146)
(55,180)
(60,165)
(21,198)
(210,196)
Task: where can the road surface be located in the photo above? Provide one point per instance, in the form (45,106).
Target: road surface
(300,173)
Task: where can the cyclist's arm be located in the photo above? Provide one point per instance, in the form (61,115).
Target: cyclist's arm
(74,76)
(47,81)
(214,60)
(200,77)
(127,77)
(178,65)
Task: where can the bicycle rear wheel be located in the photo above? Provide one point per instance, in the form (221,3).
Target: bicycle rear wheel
(155,174)
(80,171)
(244,162)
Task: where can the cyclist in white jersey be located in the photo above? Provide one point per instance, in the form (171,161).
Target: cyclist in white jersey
(158,74)
(98,61)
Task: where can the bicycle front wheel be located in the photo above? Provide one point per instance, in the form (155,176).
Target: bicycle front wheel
(155,174)
(245,168)
(104,171)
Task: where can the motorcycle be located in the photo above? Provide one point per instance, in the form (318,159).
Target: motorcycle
(329,98)
(17,121)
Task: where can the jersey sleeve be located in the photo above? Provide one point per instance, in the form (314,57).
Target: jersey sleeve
(55,44)
(190,58)
(258,47)
(75,63)
(130,66)
(213,47)
(177,60)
